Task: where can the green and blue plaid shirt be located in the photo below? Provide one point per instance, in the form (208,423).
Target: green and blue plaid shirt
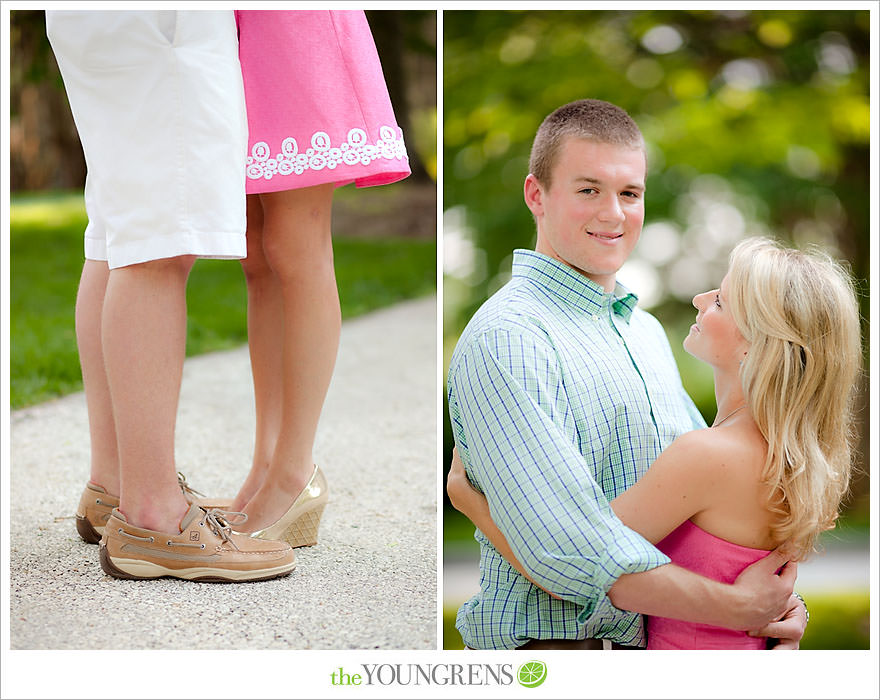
(560,397)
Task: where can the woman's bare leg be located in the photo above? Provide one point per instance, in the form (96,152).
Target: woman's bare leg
(298,248)
(265,317)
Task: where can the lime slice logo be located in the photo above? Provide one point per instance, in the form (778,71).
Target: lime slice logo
(531,674)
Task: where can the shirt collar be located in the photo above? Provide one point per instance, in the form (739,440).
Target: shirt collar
(571,286)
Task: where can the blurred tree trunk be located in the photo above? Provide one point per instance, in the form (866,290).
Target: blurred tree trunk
(389,33)
(44,148)
(855,247)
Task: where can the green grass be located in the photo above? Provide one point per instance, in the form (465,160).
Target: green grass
(838,621)
(451,638)
(46,243)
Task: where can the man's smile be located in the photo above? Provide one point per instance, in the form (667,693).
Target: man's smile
(604,236)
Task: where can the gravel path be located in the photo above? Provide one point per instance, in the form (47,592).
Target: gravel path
(370,583)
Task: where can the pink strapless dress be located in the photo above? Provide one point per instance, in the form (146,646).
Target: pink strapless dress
(693,548)
(317,105)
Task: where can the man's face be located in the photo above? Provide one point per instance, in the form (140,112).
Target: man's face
(591,216)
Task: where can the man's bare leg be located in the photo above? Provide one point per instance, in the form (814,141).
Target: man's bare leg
(104,470)
(144,341)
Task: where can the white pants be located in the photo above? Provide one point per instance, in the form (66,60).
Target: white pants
(158,102)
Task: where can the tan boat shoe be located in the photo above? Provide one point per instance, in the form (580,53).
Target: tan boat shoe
(206,549)
(93,512)
(95,506)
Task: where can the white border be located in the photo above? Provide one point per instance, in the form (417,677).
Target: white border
(284,674)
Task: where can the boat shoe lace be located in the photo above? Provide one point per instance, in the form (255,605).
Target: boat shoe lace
(186,488)
(220,522)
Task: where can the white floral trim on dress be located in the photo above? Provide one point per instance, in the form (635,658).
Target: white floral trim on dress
(321,155)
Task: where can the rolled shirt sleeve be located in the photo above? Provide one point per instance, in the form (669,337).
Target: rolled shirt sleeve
(512,416)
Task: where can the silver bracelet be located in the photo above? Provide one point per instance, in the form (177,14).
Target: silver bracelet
(800,598)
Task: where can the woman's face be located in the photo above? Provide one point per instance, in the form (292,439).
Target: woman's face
(715,338)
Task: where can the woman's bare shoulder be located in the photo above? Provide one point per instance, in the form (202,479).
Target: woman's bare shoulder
(695,444)
(715,451)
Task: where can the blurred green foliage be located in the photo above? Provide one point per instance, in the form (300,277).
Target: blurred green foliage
(756,123)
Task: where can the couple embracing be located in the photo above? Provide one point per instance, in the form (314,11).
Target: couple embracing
(609,515)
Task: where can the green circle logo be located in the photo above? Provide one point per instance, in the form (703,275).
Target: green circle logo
(531,674)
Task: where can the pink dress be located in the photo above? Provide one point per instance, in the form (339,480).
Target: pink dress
(693,548)
(317,105)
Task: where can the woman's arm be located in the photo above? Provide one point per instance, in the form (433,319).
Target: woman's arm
(682,482)
(675,488)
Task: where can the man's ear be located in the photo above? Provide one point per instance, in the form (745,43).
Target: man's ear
(533,193)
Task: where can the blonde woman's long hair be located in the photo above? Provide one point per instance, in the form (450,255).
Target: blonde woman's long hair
(798,311)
